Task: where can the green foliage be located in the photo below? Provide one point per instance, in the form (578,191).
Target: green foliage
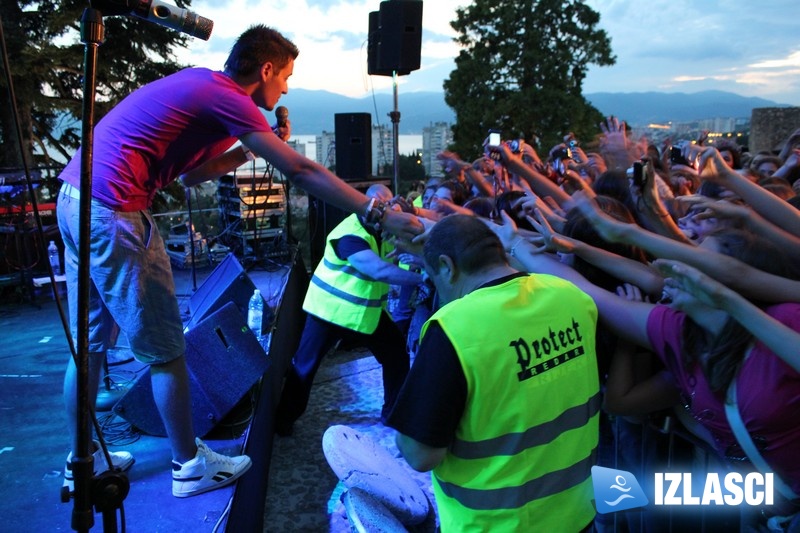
(521,71)
(47,55)
(411,172)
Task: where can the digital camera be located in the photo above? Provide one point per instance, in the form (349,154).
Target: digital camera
(676,156)
(515,145)
(562,153)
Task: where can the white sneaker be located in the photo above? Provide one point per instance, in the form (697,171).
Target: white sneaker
(119,460)
(208,470)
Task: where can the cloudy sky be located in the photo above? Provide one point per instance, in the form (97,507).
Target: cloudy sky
(741,46)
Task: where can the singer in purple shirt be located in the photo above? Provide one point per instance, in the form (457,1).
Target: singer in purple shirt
(181,126)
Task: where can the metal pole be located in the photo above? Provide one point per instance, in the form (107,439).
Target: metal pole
(395,116)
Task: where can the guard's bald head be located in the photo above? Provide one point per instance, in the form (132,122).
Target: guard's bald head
(379,192)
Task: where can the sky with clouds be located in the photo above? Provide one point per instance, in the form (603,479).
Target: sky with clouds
(749,48)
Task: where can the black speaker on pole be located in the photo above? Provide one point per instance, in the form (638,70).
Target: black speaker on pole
(373,40)
(224,360)
(353,138)
(394,41)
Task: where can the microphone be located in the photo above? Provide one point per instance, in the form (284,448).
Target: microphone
(282,114)
(173,17)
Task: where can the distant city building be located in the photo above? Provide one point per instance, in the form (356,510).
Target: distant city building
(326,149)
(382,151)
(297,146)
(435,138)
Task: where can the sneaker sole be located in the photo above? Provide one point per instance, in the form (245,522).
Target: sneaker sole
(214,486)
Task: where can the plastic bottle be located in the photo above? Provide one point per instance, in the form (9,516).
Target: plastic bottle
(255,313)
(55,261)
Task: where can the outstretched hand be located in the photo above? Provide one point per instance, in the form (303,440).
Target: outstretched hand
(551,240)
(613,136)
(404,226)
(709,208)
(689,279)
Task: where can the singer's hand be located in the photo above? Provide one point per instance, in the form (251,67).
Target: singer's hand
(283,132)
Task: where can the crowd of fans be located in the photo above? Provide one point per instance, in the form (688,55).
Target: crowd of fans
(690,251)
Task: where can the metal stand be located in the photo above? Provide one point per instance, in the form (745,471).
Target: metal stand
(395,116)
(107,492)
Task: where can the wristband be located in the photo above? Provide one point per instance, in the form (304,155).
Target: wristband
(250,156)
(370,205)
(376,210)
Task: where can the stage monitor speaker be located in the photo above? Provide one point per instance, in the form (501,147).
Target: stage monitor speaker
(227,283)
(322,218)
(224,360)
(399,37)
(353,138)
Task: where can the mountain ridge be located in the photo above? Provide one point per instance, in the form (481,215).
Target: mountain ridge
(312,111)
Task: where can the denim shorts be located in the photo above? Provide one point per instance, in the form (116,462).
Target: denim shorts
(131,287)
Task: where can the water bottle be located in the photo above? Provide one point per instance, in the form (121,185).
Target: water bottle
(255,313)
(55,262)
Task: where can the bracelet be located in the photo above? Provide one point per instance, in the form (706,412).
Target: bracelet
(512,251)
(250,156)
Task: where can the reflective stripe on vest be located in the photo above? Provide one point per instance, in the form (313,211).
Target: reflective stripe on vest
(515,497)
(345,296)
(514,443)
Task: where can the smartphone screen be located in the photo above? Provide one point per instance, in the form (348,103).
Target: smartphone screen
(494,138)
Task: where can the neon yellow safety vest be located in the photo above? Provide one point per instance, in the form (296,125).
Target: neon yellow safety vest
(340,294)
(523,450)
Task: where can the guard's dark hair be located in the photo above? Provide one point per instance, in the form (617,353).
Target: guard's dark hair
(256,46)
(467,241)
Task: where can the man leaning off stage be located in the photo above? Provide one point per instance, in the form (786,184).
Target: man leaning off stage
(179,126)
(502,400)
(347,299)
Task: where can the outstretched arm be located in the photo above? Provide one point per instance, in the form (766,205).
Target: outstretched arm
(370,264)
(319,181)
(622,268)
(768,205)
(750,281)
(542,186)
(624,318)
(748,218)
(778,337)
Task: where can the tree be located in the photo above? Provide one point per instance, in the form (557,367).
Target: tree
(43,42)
(521,70)
(411,172)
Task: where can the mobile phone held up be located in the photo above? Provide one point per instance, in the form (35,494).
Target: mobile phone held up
(494,140)
(636,172)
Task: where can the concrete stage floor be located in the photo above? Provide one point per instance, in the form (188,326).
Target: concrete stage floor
(302,493)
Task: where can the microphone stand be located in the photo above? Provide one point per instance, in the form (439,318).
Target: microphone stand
(106,492)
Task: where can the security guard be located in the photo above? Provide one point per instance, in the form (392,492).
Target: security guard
(502,401)
(347,298)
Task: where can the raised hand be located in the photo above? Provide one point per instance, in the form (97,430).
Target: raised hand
(689,279)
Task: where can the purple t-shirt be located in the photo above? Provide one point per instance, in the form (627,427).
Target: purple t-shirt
(162,130)
(768,393)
